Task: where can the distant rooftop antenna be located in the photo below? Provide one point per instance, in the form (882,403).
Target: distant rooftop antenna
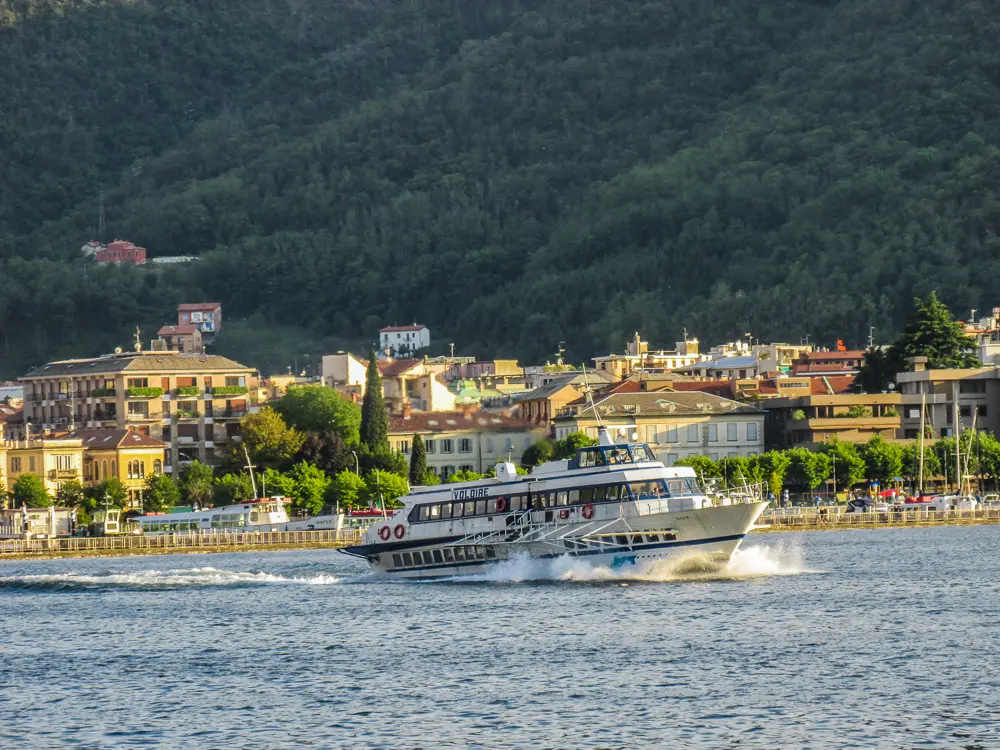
(560,352)
(138,341)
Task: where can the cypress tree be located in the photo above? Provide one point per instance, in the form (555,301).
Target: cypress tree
(374,415)
(418,461)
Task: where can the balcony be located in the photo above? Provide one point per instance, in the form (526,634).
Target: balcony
(225,391)
(232,414)
(840,424)
(140,417)
(187,390)
(103,393)
(187,416)
(143,392)
(64,474)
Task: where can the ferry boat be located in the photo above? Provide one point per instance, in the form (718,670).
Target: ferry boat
(354,519)
(612,505)
(264,514)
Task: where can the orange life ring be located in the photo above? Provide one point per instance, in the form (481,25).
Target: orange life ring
(398,531)
(588,511)
(502,505)
(384,533)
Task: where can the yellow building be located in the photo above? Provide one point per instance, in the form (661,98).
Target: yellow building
(192,401)
(87,456)
(130,456)
(53,459)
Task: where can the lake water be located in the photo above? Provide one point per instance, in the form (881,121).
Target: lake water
(826,639)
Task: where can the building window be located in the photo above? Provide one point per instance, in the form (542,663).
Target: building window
(732,432)
(714,456)
(31,464)
(403,446)
(751,431)
(692,433)
(138,382)
(63,462)
(465,445)
(713,433)
(157,467)
(447,445)
(672,435)
(489,445)
(671,459)
(15,465)
(138,408)
(913,413)
(429,446)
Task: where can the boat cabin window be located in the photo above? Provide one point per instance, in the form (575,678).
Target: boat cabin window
(397,561)
(613,455)
(448,554)
(407,560)
(683,487)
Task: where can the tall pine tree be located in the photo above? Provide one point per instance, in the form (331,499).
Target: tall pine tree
(374,415)
(932,332)
(418,461)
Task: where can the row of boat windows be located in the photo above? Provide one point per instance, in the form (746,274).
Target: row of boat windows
(657,488)
(219,521)
(443,556)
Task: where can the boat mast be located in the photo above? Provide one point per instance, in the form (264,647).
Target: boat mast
(957,422)
(253,482)
(968,457)
(923,406)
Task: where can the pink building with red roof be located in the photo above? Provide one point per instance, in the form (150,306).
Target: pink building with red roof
(121,251)
(205,316)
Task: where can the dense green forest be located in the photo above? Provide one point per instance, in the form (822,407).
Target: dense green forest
(513,174)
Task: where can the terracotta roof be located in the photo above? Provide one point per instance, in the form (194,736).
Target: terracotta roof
(147,362)
(839,384)
(451,421)
(189,306)
(818,368)
(391,368)
(182,330)
(827,356)
(721,388)
(392,329)
(97,438)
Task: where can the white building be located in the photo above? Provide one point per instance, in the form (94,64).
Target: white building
(675,425)
(404,340)
(638,356)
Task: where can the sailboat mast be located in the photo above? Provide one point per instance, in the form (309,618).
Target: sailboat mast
(923,406)
(957,422)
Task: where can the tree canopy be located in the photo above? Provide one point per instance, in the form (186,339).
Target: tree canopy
(768,166)
(29,490)
(374,414)
(321,410)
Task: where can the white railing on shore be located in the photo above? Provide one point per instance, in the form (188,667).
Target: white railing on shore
(138,543)
(835,517)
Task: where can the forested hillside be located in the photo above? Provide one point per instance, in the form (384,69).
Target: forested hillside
(511,173)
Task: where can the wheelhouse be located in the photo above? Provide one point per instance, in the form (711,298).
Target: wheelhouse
(612,455)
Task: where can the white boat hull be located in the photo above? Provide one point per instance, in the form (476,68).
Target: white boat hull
(708,536)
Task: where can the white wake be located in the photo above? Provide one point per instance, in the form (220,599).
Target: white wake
(177,577)
(756,561)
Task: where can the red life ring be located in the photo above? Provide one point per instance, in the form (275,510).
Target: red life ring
(502,505)
(398,531)
(384,533)
(588,511)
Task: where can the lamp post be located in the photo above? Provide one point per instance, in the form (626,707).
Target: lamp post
(357,466)
(834,457)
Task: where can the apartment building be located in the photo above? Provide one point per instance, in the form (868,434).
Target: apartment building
(675,425)
(469,441)
(54,460)
(638,356)
(192,402)
(975,392)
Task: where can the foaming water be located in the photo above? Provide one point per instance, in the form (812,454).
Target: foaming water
(759,560)
(156,578)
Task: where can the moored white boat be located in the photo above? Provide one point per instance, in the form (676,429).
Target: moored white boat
(613,505)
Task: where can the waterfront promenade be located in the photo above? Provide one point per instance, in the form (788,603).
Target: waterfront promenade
(110,546)
(812,519)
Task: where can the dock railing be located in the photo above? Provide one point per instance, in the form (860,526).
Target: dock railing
(157,542)
(835,517)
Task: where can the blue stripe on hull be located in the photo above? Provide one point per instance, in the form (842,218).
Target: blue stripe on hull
(568,553)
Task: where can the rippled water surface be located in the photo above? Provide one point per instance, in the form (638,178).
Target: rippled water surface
(827,639)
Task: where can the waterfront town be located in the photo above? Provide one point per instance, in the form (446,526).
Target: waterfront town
(163,423)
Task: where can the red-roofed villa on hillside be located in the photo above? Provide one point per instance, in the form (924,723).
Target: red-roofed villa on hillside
(206,316)
(181,338)
(404,340)
(121,251)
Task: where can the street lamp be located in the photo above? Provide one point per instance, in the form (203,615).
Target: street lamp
(357,466)
(834,457)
